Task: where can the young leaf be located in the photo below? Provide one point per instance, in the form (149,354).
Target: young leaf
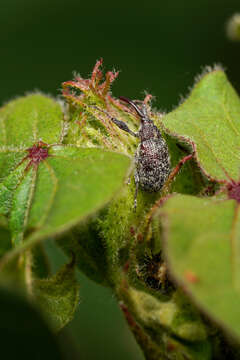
(201,245)
(88,100)
(58,296)
(210,120)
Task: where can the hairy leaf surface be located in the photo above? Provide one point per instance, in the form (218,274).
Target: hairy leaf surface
(58,296)
(210,118)
(202,247)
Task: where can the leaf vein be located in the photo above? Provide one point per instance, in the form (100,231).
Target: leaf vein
(226,112)
(202,135)
(235,249)
(30,198)
(51,198)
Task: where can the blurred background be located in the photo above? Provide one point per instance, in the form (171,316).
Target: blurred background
(158,46)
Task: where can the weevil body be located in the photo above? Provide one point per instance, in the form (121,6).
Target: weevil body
(152,158)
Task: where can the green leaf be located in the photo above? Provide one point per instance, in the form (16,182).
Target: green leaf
(20,205)
(25,121)
(47,187)
(202,248)
(210,118)
(58,296)
(81,181)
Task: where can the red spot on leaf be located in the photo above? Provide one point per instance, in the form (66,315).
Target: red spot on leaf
(191,277)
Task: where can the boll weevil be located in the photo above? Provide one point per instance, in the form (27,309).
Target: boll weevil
(152,160)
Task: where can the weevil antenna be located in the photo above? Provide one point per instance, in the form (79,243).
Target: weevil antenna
(138,111)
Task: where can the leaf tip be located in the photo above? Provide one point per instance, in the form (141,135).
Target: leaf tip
(208,69)
(205,71)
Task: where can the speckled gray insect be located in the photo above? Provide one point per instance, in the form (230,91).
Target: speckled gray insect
(152,158)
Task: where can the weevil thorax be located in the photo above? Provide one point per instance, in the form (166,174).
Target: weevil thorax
(148,131)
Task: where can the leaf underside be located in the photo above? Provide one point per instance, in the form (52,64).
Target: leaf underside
(58,296)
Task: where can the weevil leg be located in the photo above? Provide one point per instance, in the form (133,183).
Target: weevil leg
(123,126)
(178,167)
(128,182)
(176,170)
(136,177)
(165,189)
(129,173)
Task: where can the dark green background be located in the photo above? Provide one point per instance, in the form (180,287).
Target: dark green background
(159,46)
